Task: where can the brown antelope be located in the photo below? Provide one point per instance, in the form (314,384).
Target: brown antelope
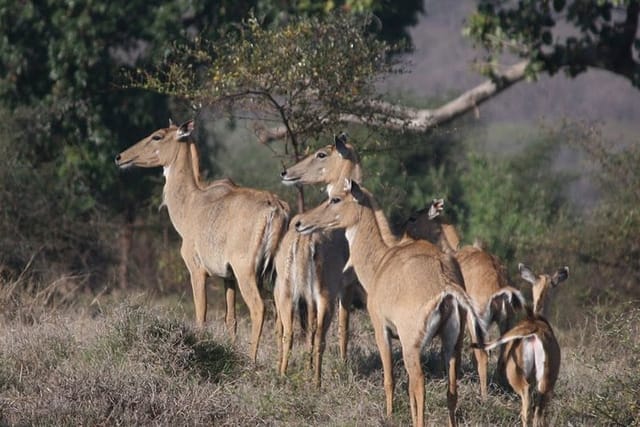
(329,254)
(310,268)
(333,164)
(226,230)
(485,277)
(531,351)
(411,292)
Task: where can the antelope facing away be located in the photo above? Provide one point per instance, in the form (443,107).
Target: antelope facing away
(226,230)
(485,277)
(411,292)
(531,351)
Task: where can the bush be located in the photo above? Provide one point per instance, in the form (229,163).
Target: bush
(509,203)
(43,223)
(131,367)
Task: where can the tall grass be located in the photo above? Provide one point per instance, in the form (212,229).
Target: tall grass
(141,362)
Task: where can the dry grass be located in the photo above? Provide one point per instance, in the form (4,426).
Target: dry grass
(140,362)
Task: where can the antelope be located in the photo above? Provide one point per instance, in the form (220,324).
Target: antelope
(428,224)
(411,292)
(227,230)
(531,351)
(320,285)
(310,267)
(332,164)
(485,278)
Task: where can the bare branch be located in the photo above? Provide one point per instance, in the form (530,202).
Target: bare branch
(397,117)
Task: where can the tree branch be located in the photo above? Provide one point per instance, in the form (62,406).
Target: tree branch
(391,116)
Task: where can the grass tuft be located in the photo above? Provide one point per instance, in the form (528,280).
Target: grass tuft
(130,364)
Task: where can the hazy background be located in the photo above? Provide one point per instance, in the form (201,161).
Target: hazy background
(441,65)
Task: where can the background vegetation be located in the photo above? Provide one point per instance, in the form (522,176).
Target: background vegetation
(94,298)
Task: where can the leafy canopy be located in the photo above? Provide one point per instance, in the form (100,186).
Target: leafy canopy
(302,75)
(562,35)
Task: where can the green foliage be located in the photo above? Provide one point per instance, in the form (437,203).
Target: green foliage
(406,171)
(303,74)
(609,243)
(510,202)
(44,221)
(562,35)
(394,18)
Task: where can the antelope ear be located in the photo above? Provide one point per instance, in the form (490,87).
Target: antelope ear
(560,276)
(357,192)
(347,185)
(170,122)
(185,129)
(435,208)
(341,145)
(527,274)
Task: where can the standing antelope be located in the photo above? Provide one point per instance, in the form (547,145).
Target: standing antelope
(531,351)
(226,230)
(485,278)
(310,267)
(333,164)
(410,289)
(313,267)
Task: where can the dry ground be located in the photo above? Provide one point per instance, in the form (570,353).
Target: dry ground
(135,359)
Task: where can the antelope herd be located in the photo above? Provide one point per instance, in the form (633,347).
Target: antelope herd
(418,285)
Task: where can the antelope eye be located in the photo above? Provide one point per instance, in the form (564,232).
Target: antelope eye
(335,200)
(156,137)
(321,155)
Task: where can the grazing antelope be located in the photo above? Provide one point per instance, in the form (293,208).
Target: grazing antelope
(531,351)
(226,230)
(411,292)
(485,277)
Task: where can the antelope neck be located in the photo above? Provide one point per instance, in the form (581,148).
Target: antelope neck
(180,186)
(367,247)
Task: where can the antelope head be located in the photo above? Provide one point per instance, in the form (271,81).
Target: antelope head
(542,284)
(325,165)
(421,225)
(342,210)
(158,149)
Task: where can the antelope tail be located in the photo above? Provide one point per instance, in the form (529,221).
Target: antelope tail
(275,227)
(504,296)
(478,328)
(533,353)
(503,340)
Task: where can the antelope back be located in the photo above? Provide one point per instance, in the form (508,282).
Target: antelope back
(483,273)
